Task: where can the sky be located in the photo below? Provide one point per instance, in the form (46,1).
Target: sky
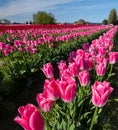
(63,10)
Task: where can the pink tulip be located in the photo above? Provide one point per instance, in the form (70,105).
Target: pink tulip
(85,46)
(68,90)
(80,53)
(99,58)
(74,69)
(44,102)
(20,49)
(80,62)
(11,49)
(51,89)
(113,57)
(88,64)
(71,57)
(31,118)
(84,78)
(62,65)
(100,69)
(2,45)
(102,50)
(100,93)
(6,52)
(65,74)
(48,70)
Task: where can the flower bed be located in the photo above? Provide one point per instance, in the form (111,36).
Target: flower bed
(75,99)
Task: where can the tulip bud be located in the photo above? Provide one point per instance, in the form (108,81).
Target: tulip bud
(48,70)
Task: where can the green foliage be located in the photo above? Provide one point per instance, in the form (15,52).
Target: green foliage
(112,16)
(44,18)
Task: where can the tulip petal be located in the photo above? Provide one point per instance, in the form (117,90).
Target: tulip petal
(95,98)
(36,122)
(22,122)
(105,97)
(100,89)
(70,93)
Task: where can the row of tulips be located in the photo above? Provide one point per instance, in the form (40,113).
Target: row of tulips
(22,66)
(22,57)
(39,26)
(80,92)
(28,41)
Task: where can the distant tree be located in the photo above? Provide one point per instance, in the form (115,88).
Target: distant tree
(105,22)
(43,18)
(112,16)
(80,21)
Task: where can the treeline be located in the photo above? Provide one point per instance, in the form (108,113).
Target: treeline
(42,17)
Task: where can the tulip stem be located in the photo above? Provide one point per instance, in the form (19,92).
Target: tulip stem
(93,119)
(69,115)
(111,67)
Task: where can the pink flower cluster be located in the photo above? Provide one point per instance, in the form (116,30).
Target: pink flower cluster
(6,49)
(29,40)
(95,56)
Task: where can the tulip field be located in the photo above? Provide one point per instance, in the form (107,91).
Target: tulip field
(58,77)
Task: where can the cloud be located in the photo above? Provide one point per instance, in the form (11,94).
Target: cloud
(96,6)
(19,7)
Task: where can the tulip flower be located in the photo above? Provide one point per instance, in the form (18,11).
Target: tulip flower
(74,69)
(100,93)
(100,69)
(85,46)
(48,70)
(67,90)
(44,102)
(6,52)
(62,65)
(31,118)
(84,78)
(80,53)
(51,89)
(71,56)
(80,62)
(65,74)
(113,57)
